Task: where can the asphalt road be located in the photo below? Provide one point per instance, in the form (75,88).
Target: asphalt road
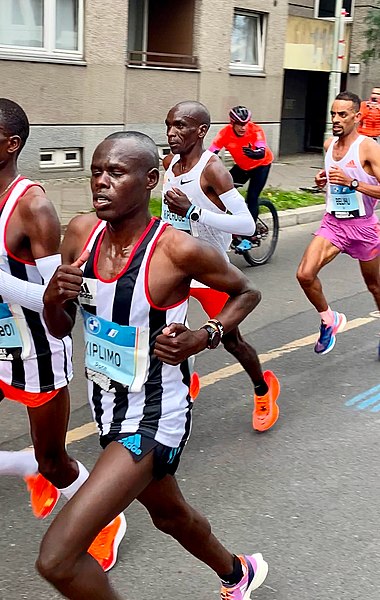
(305,494)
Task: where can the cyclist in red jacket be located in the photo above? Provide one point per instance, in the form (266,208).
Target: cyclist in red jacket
(246,143)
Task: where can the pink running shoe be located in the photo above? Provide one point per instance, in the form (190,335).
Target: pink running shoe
(255,570)
(326,340)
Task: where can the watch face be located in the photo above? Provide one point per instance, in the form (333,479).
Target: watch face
(194,216)
(214,337)
(214,340)
(354,183)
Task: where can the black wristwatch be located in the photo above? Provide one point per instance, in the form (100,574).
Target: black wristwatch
(195,214)
(354,184)
(214,336)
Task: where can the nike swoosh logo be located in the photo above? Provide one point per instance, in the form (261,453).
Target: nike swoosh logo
(183,182)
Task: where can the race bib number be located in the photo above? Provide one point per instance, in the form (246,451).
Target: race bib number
(175,220)
(11,346)
(342,201)
(115,353)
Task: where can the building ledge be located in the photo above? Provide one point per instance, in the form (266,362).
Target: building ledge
(246,73)
(43,59)
(163,68)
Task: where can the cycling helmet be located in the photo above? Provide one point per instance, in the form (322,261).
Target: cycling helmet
(240,114)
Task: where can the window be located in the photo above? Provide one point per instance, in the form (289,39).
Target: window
(163,151)
(325,9)
(160,34)
(50,28)
(61,158)
(247,42)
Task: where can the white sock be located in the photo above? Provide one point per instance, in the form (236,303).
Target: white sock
(70,490)
(22,463)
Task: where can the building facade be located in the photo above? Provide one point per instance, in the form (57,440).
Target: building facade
(85,68)
(308,62)
(82,69)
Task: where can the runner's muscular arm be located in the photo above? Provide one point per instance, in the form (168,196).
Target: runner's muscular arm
(40,225)
(204,263)
(64,287)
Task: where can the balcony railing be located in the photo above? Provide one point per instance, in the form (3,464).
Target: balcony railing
(140,58)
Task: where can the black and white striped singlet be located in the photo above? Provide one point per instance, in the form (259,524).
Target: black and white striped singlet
(161,406)
(46,362)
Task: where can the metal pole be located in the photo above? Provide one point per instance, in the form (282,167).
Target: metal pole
(336,66)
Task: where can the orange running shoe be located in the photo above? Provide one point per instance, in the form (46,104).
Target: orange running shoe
(43,495)
(266,411)
(106,544)
(195,386)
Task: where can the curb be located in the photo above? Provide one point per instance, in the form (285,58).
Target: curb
(300,216)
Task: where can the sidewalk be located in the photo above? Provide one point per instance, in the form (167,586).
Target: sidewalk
(72,196)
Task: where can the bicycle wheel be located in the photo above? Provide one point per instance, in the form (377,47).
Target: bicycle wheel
(265,240)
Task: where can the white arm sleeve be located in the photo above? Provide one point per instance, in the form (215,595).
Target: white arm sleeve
(26,294)
(240,220)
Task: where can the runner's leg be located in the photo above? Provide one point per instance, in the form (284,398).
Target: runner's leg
(48,427)
(371,274)
(174,516)
(266,385)
(212,302)
(319,253)
(171,514)
(244,353)
(114,483)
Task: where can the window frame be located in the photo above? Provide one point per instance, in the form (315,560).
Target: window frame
(346,19)
(145,62)
(48,50)
(58,161)
(247,68)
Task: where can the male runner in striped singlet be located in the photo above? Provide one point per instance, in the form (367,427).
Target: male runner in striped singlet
(35,367)
(350,224)
(133,295)
(215,211)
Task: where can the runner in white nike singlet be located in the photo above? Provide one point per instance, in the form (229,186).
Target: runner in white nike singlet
(199,197)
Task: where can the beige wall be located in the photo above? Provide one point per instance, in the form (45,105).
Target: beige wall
(220,90)
(74,105)
(369,74)
(151,92)
(302,8)
(72,94)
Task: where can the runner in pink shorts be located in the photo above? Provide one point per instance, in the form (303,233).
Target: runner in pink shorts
(350,225)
